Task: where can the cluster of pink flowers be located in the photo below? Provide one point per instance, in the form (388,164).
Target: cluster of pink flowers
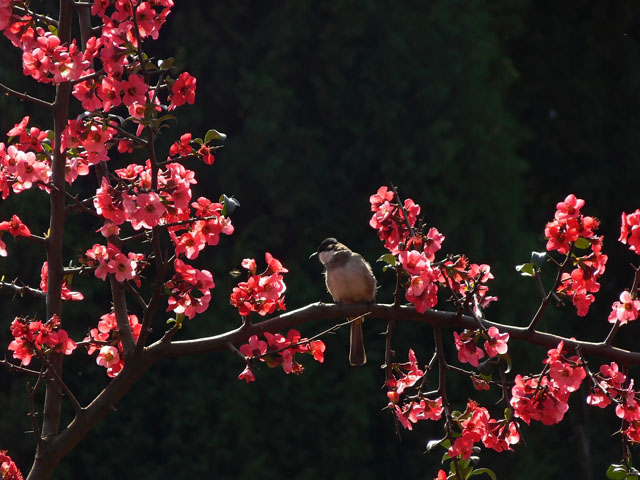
(469,282)
(105,340)
(410,409)
(33,337)
(612,385)
(279,351)
(183,286)
(476,425)
(8,469)
(467,344)
(389,220)
(562,233)
(16,228)
(544,397)
(262,293)
(22,163)
(86,140)
(191,238)
(422,289)
(415,252)
(110,260)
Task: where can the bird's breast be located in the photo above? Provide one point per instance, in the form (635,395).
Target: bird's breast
(351,283)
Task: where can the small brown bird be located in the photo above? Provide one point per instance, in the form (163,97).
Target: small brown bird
(349,279)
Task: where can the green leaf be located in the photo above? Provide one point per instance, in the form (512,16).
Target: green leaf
(389,259)
(582,243)
(617,472)
(507,358)
(431,444)
(230,204)
(167,117)
(538,258)
(526,269)
(480,471)
(166,63)
(214,135)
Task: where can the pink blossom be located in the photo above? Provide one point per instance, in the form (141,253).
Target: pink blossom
(626,310)
(108,356)
(497,342)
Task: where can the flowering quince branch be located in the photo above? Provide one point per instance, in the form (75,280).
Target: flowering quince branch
(151,204)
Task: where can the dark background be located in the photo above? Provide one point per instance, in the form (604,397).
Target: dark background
(486,113)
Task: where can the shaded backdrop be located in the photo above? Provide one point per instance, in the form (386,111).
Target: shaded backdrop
(485,113)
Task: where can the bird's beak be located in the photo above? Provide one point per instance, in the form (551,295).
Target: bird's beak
(314,254)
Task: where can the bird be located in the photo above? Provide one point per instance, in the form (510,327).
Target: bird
(349,279)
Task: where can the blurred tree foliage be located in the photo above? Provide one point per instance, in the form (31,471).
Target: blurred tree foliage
(485,113)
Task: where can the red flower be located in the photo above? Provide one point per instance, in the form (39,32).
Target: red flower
(497,342)
(468,351)
(184,90)
(15,227)
(8,469)
(630,230)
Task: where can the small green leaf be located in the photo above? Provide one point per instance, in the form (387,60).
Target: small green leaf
(214,135)
(53,29)
(480,471)
(167,117)
(617,472)
(388,259)
(230,204)
(508,413)
(507,359)
(166,63)
(431,444)
(526,269)
(538,258)
(198,140)
(582,243)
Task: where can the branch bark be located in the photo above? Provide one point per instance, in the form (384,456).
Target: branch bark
(434,318)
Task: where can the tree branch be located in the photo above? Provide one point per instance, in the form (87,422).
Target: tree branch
(434,318)
(25,97)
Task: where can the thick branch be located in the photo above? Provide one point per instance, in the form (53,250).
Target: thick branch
(434,318)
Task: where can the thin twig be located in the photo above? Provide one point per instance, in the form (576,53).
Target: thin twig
(545,302)
(33,415)
(27,97)
(22,289)
(56,375)
(18,368)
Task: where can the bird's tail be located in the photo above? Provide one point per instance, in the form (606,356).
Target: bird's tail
(357,355)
